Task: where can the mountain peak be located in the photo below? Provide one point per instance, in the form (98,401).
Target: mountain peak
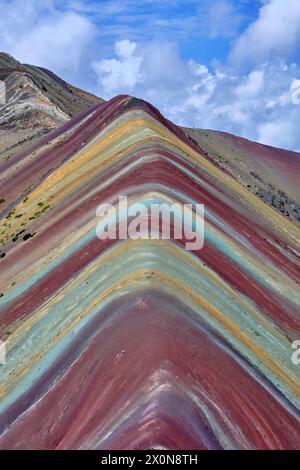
(8,60)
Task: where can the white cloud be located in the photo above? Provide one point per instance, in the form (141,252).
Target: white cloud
(221,18)
(143,69)
(251,86)
(295,92)
(276,32)
(262,105)
(121,72)
(280,133)
(40,33)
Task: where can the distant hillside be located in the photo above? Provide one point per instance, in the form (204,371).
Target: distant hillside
(37,101)
(272,174)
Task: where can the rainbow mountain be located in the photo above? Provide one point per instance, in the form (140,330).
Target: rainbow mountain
(138,344)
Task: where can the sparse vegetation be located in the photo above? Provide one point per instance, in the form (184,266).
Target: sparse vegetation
(28,236)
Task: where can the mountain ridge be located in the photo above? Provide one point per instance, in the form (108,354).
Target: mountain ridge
(139,343)
(271,174)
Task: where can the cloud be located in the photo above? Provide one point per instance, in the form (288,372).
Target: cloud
(295,91)
(40,33)
(281,132)
(221,18)
(275,33)
(121,72)
(262,105)
(153,71)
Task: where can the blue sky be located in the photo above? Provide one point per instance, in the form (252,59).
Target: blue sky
(191,23)
(232,65)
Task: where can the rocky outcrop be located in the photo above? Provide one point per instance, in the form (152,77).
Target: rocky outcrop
(37,102)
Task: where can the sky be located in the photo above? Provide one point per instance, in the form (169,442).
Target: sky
(231,65)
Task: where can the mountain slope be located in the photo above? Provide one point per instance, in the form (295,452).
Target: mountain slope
(271,173)
(121,344)
(37,101)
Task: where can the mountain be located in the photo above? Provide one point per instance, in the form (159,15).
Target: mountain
(272,174)
(37,101)
(138,344)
